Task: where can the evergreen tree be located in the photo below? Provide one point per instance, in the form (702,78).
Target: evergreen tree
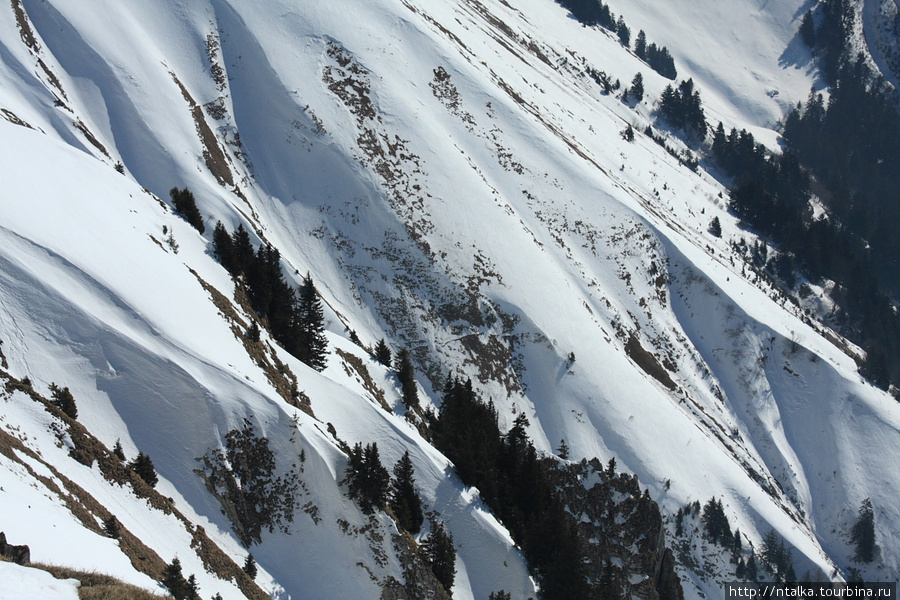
(563,450)
(407,376)
(637,87)
(404,500)
(117,450)
(715,227)
(368,481)
(623,32)
(143,467)
(808,29)
(243,251)
(112,527)
(752,572)
(175,582)
(501,595)
(640,45)
(863,533)
(223,249)
(193,588)
(441,554)
(62,399)
(250,566)
(185,205)
(312,345)
(383,353)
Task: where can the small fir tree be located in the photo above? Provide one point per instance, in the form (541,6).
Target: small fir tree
(405,501)
(863,533)
(563,450)
(441,553)
(143,467)
(407,376)
(111,527)
(637,87)
(715,227)
(62,399)
(623,32)
(118,451)
(383,353)
(312,343)
(367,479)
(640,45)
(808,29)
(250,567)
(174,580)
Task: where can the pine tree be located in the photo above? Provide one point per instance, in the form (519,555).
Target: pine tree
(62,399)
(250,567)
(367,479)
(383,353)
(407,376)
(118,451)
(637,87)
(808,29)
(174,580)
(715,227)
(193,589)
(223,249)
(312,345)
(863,533)
(563,450)
(640,45)
(112,527)
(752,572)
(441,554)
(623,32)
(501,595)
(143,467)
(405,501)
(185,205)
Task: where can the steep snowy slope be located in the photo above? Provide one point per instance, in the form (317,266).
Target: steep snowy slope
(455,182)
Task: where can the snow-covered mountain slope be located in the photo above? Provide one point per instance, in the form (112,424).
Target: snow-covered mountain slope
(456,183)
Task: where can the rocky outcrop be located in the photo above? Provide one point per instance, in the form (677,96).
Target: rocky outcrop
(623,530)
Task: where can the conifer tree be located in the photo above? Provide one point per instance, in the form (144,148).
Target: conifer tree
(637,87)
(808,29)
(563,450)
(863,533)
(223,249)
(143,467)
(752,571)
(62,399)
(405,501)
(383,353)
(368,481)
(407,376)
(715,227)
(640,45)
(185,205)
(312,345)
(250,566)
(175,582)
(441,553)
(118,451)
(623,32)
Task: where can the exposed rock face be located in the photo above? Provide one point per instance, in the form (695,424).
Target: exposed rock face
(623,528)
(21,555)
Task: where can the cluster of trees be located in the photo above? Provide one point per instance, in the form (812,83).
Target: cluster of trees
(596,12)
(440,553)
(186,206)
(514,483)
(242,477)
(179,587)
(683,109)
(851,147)
(295,320)
(658,57)
(636,91)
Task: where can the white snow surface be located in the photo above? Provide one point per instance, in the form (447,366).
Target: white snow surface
(453,182)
